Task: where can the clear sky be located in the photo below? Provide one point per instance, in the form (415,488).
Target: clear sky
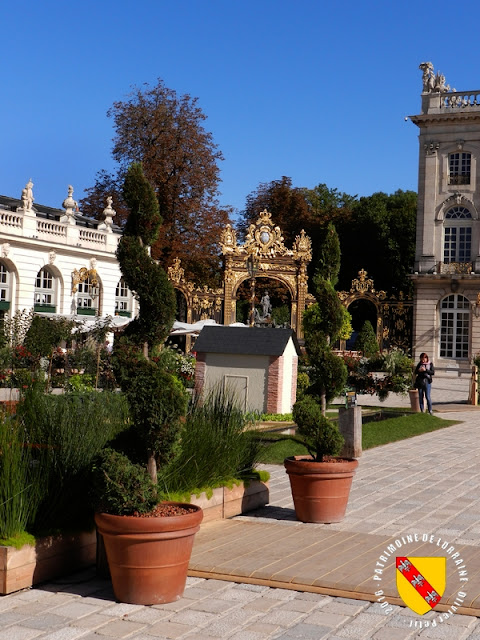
(310,89)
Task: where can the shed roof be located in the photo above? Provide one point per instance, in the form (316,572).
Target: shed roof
(245,340)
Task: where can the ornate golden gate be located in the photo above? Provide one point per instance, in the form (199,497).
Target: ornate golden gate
(264,245)
(394,314)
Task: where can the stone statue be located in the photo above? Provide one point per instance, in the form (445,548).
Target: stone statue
(27,196)
(433,82)
(266,306)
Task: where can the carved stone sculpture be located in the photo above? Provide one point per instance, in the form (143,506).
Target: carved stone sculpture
(433,83)
(70,205)
(27,196)
(266,306)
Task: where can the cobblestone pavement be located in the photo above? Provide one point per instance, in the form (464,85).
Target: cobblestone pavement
(84,607)
(429,483)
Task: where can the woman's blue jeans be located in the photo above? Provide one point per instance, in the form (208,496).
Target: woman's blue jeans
(426,392)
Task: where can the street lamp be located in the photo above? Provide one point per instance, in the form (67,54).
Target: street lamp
(252,267)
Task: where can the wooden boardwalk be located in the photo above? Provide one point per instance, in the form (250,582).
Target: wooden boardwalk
(310,558)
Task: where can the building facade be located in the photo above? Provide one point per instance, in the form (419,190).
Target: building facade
(447,263)
(57,261)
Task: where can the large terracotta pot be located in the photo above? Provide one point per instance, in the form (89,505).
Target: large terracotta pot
(320,490)
(148,557)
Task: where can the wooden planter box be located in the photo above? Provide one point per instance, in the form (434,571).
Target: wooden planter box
(226,503)
(54,556)
(51,557)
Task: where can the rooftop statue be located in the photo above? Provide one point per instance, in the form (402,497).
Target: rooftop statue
(27,196)
(433,83)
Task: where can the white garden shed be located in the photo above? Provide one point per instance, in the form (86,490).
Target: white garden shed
(258,364)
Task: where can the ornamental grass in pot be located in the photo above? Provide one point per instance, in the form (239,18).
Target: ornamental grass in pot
(148,545)
(320,483)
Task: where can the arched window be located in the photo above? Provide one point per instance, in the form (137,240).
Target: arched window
(45,292)
(5,288)
(88,297)
(457,239)
(459,168)
(123,299)
(454,326)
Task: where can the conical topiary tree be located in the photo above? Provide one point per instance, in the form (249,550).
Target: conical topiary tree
(157,399)
(366,341)
(323,322)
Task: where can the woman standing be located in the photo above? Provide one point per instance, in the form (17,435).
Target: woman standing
(423,381)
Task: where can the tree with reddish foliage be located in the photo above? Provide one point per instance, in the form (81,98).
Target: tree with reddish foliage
(165,133)
(95,201)
(285,202)
(295,208)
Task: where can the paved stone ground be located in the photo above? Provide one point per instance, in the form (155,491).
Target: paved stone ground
(428,483)
(84,607)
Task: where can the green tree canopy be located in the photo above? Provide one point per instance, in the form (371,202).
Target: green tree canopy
(380,238)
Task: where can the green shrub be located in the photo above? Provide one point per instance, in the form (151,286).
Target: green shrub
(281,315)
(46,333)
(156,398)
(120,486)
(366,341)
(321,437)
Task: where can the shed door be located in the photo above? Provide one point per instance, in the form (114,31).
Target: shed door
(238,385)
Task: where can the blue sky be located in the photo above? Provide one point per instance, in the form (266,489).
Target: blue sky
(308,89)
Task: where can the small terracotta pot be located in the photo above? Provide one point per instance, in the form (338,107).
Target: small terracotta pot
(148,557)
(320,490)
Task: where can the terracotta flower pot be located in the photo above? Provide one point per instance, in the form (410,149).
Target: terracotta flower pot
(320,490)
(148,557)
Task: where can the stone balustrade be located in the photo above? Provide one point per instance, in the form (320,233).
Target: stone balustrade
(10,220)
(28,226)
(90,235)
(460,99)
(46,227)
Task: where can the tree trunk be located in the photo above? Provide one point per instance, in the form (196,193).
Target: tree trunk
(323,398)
(152,468)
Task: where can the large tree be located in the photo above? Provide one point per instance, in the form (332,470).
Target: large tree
(380,237)
(295,208)
(285,202)
(165,133)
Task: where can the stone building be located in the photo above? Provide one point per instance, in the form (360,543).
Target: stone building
(447,263)
(60,262)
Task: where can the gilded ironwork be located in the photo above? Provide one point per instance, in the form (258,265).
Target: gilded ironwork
(264,241)
(394,313)
(228,239)
(81,275)
(362,284)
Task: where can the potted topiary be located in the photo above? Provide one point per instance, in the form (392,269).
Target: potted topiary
(148,545)
(321,483)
